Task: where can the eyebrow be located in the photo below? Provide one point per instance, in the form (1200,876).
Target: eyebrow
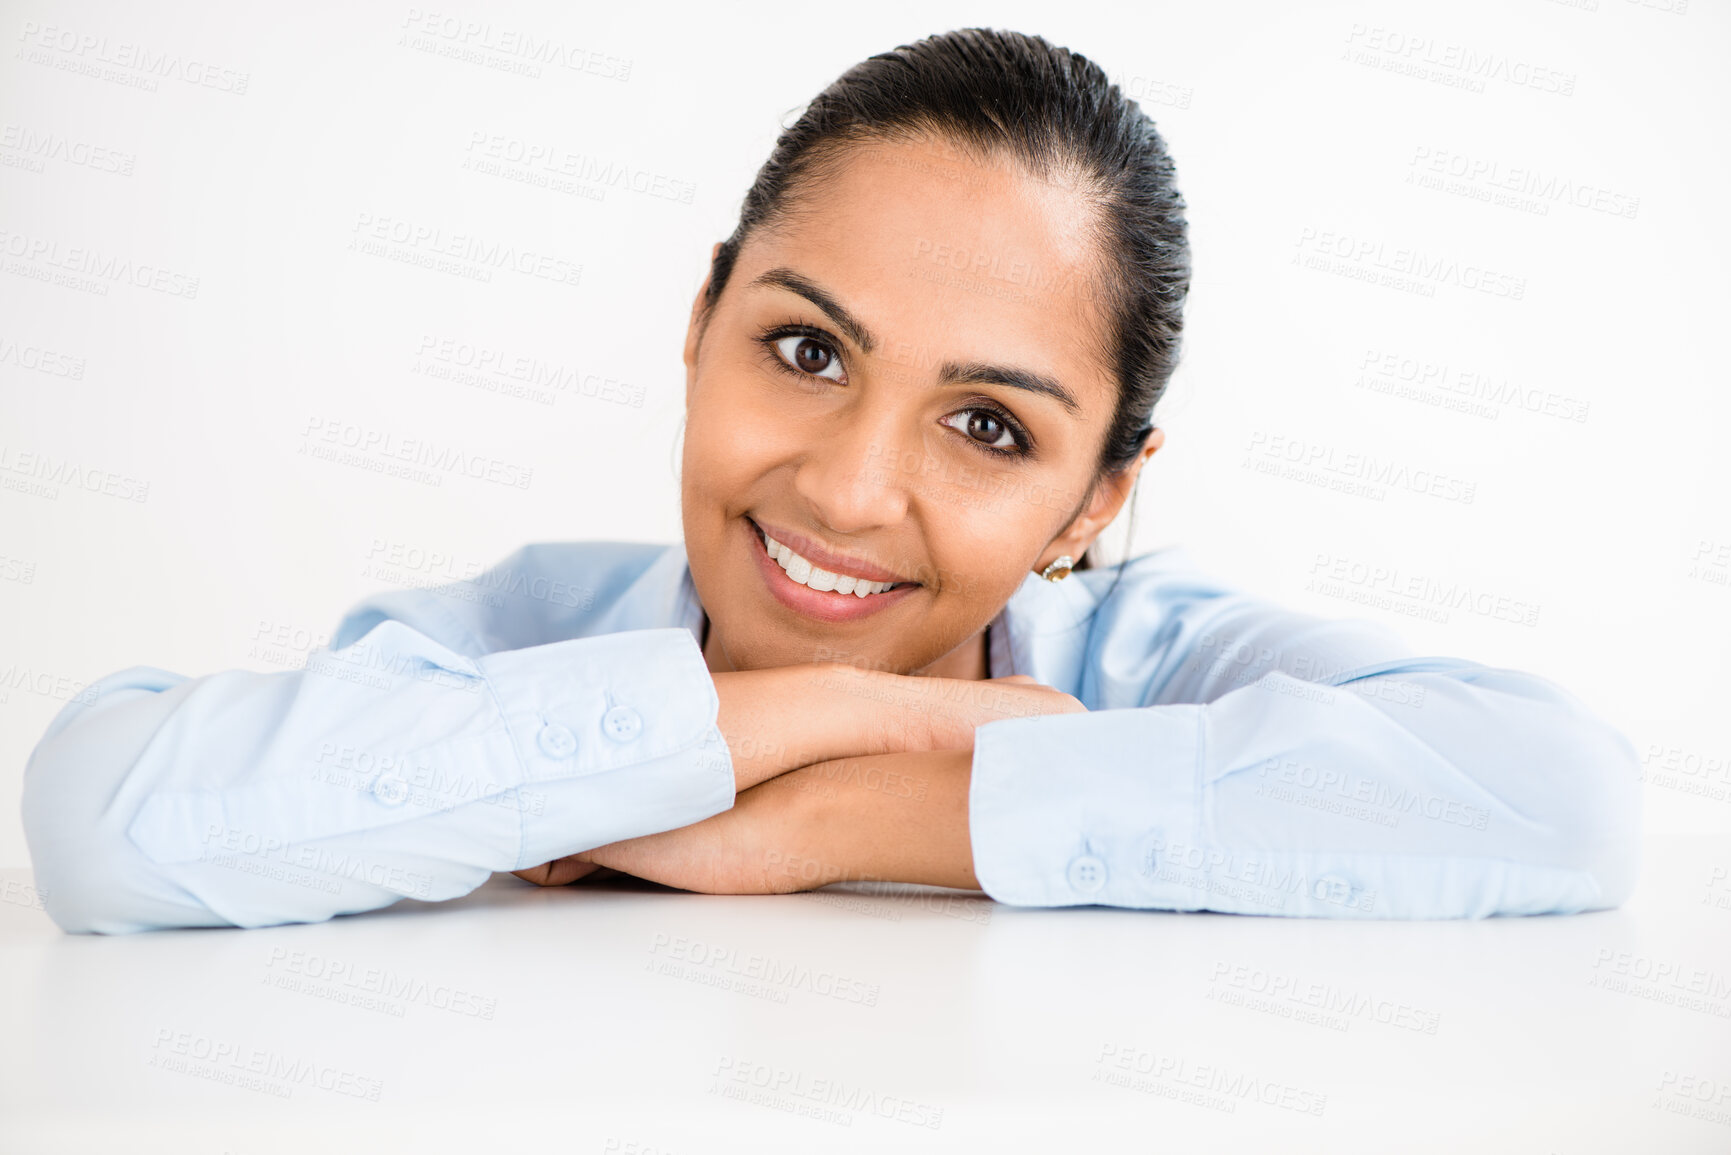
(974,372)
(845,321)
(950,373)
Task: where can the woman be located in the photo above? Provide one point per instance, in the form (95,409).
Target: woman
(920,379)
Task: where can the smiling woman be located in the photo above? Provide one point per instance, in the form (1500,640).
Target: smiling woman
(925,459)
(920,382)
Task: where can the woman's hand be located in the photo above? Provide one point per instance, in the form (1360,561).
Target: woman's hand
(559,872)
(735,852)
(831,719)
(894,817)
(785,717)
(729,853)
(916,713)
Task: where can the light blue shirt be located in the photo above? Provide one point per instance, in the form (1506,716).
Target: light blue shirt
(1237,756)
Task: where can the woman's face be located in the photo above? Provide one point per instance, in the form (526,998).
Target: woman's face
(906,381)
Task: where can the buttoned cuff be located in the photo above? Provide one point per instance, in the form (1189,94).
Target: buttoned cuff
(593,705)
(617,738)
(1077,809)
(631,714)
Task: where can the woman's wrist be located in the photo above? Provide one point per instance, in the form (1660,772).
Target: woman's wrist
(889,817)
(780,719)
(893,817)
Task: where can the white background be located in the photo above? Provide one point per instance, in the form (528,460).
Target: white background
(251,144)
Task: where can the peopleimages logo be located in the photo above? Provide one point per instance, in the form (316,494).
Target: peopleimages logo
(1358,472)
(1368,258)
(224,1060)
(381,981)
(90,269)
(466,254)
(52,471)
(385,445)
(829,1092)
(1452,64)
(494,370)
(505,48)
(35,147)
(136,65)
(41,360)
(1545,188)
(767,969)
(1122,1064)
(507,153)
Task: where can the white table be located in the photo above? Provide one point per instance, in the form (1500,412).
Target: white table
(630,1018)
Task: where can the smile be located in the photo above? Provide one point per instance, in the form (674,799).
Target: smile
(817,578)
(830,595)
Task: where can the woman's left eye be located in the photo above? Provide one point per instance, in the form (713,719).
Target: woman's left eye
(985,429)
(809,355)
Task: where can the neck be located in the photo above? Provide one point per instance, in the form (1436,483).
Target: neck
(967,661)
(712,652)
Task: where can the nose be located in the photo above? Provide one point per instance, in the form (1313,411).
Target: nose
(853,478)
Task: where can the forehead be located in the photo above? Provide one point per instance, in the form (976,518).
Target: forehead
(947,257)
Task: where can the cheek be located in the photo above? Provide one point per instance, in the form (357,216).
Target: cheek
(739,429)
(723,441)
(980,562)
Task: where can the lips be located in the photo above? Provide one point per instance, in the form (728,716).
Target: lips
(828,607)
(834,563)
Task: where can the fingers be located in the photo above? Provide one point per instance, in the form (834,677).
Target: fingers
(559,872)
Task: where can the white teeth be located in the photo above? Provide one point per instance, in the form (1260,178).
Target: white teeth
(806,574)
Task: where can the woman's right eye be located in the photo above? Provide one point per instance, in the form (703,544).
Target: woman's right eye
(809,355)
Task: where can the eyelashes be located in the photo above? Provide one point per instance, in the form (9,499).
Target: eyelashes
(774,338)
(771,340)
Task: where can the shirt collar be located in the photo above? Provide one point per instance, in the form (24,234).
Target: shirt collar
(1042,631)
(662,595)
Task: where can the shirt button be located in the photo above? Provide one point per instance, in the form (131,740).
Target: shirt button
(391,789)
(1087,873)
(622,723)
(556,741)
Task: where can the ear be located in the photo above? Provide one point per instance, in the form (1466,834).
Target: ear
(1108,498)
(692,328)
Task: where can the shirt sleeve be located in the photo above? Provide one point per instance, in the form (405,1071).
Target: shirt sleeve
(392,766)
(1277,763)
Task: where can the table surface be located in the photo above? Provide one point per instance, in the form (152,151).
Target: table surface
(624,1017)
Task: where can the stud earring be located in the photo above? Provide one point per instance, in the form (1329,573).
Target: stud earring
(1059,569)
